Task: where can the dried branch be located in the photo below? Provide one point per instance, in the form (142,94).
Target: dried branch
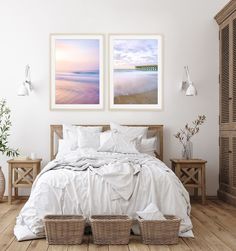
(185,134)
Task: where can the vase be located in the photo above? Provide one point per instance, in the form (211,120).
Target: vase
(2,184)
(187,152)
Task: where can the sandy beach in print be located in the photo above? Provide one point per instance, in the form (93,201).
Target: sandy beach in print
(77,88)
(135,73)
(77,71)
(140,98)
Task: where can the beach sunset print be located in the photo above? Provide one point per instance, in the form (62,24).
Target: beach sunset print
(135,71)
(77,71)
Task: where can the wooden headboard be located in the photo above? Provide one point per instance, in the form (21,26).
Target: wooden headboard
(153,130)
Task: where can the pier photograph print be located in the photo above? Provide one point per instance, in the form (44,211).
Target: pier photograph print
(135,71)
(76,71)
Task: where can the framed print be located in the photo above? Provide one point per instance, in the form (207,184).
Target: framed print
(135,71)
(76,71)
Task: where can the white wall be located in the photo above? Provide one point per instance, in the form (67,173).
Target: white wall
(190,38)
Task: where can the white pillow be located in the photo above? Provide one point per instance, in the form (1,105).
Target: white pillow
(91,128)
(64,147)
(151,212)
(148,146)
(89,137)
(70,133)
(130,132)
(104,136)
(115,142)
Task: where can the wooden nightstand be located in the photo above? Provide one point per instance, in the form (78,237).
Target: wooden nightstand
(192,174)
(21,173)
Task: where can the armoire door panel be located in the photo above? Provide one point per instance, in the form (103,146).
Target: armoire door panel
(234,72)
(224,159)
(228,160)
(233,166)
(225,75)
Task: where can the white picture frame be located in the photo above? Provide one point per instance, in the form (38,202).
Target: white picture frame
(125,51)
(77,82)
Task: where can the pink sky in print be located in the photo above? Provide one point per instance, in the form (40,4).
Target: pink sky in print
(77,55)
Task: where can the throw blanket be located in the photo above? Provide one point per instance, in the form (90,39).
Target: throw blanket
(120,175)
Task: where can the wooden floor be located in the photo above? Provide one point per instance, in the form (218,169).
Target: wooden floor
(214,229)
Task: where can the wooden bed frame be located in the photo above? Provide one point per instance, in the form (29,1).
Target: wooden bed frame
(153,130)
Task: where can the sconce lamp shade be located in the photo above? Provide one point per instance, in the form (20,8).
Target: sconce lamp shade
(23,90)
(191,90)
(26,87)
(188,85)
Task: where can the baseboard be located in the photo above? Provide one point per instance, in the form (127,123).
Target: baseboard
(212,197)
(21,197)
(199,198)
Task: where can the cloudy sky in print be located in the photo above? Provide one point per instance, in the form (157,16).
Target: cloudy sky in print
(128,53)
(77,55)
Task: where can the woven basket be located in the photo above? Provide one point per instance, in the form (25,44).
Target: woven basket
(162,232)
(110,229)
(64,229)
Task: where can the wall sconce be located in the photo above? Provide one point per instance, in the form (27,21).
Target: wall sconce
(187,85)
(26,87)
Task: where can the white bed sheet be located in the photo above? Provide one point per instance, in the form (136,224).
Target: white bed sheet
(64,191)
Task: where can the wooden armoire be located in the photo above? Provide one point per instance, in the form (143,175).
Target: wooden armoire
(226,19)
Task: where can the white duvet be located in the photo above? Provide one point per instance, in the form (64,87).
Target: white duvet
(89,182)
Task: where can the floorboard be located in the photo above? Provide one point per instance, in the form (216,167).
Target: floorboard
(16,247)
(182,246)
(214,227)
(159,248)
(39,244)
(82,247)
(205,239)
(136,245)
(118,248)
(6,236)
(93,247)
(223,218)
(225,207)
(9,214)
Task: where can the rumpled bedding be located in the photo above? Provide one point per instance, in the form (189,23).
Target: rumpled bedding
(89,182)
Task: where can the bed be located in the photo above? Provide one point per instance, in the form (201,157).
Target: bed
(88,181)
